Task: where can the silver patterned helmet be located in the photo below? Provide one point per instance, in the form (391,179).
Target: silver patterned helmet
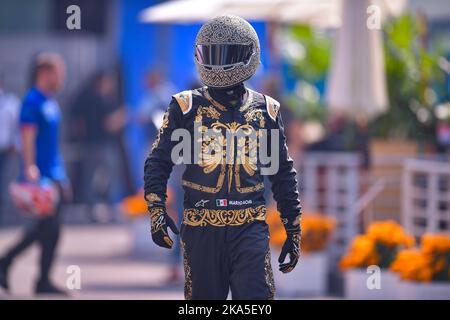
(226,51)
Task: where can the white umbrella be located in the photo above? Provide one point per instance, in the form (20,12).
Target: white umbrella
(356,83)
(181,11)
(322,13)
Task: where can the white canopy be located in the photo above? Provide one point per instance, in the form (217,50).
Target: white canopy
(181,11)
(322,13)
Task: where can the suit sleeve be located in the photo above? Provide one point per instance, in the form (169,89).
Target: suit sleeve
(158,164)
(284,182)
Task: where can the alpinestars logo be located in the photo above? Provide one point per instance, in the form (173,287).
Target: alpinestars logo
(221,202)
(201,203)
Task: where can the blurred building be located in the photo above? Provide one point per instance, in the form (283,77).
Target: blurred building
(27,27)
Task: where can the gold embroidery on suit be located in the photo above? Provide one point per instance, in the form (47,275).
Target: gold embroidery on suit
(269,275)
(187,273)
(214,153)
(209,111)
(220,218)
(156,218)
(152,197)
(255,114)
(165,124)
(214,146)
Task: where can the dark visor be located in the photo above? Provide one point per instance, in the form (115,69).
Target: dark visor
(223,54)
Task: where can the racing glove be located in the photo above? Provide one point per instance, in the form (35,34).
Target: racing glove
(291,246)
(160,220)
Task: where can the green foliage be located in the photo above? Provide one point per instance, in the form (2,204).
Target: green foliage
(386,254)
(315,63)
(413,78)
(443,274)
(310,67)
(306,110)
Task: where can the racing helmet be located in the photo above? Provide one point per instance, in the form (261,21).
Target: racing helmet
(227,51)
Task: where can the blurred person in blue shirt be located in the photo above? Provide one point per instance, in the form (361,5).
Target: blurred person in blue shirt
(39,121)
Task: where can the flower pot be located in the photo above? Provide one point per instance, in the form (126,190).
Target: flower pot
(309,278)
(357,287)
(410,290)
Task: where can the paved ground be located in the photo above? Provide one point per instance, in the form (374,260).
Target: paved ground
(108,268)
(113,264)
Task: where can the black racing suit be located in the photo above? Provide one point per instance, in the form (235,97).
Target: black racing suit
(224,236)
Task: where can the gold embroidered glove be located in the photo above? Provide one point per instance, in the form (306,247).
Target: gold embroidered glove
(291,246)
(160,221)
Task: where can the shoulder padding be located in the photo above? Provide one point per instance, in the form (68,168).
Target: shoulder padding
(273,106)
(184,100)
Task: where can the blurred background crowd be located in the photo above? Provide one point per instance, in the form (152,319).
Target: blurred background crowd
(364,88)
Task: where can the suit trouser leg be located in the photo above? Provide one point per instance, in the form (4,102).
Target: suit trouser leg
(219,258)
(205,263)
(251,276)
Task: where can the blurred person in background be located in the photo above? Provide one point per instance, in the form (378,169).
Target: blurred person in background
(335,139)
(98,120)
(40,118)
(345,135)
(9,111)
(443,138)
(153,103)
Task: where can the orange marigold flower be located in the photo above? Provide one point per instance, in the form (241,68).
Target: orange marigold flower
(316,230)
(427,263)
(362,253)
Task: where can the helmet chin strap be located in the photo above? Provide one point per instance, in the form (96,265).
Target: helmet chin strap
(232,96)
